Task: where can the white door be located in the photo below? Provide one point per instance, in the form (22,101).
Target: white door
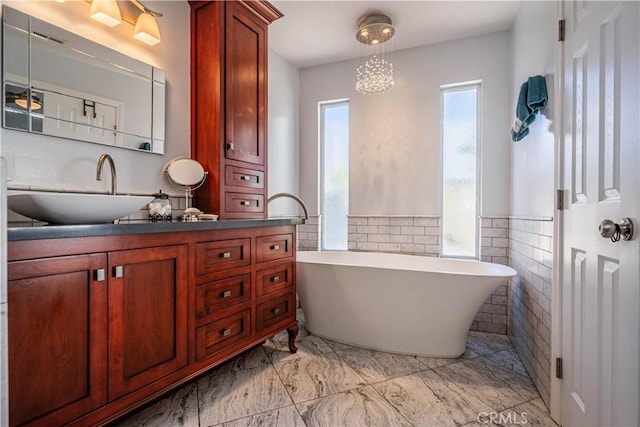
(601,170)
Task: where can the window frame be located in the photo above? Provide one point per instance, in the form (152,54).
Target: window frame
(459,87)
(322,107)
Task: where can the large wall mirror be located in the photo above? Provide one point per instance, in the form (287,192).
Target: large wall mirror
(59,84)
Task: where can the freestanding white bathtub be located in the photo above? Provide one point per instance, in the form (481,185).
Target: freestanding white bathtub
(393,302)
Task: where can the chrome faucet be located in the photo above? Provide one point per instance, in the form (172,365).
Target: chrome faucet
(114,175)
(294,197)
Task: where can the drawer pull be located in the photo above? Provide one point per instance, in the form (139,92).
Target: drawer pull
(100,276)
(245,203)
(275,279)
(226,332)
(226,294)
(245,178)
(230,146)
(275,248)
(225,255)
(275,310)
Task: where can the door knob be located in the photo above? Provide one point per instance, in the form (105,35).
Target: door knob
(610,230)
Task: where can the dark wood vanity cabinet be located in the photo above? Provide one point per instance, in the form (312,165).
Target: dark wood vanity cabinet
(101,325)
(57,338)
(229,104)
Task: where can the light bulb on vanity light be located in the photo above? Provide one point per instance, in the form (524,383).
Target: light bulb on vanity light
(146,29)
(106,12)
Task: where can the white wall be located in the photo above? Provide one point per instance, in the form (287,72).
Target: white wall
(284,82)
(395,137)
(532,158)
(55,163)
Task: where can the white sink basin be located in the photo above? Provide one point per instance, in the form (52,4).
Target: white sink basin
(74,208)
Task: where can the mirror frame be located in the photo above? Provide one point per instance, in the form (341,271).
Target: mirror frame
(16,85)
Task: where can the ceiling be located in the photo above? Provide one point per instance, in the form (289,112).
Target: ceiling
(314,32)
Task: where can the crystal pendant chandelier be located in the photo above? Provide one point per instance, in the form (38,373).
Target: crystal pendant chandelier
(375,75)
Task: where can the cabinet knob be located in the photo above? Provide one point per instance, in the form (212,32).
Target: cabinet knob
(275,310)
(226,332)
(245,178)
(245,203)
(275,279)
(100,275)
(230,146)
(225,255)
(226,294)
(275,247)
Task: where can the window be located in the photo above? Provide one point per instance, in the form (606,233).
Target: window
(334,173)
(460,133)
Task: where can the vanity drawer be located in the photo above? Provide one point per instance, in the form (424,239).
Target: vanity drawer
(270,248)
(242,177)
(244,203)
(215,336)
(274,279)
(275,310)
(216,296)
(222,255)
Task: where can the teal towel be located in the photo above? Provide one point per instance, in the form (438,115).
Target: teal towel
(531,99)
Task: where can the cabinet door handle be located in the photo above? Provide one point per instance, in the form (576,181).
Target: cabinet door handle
(226,332)
(245,178)
(100,275)
(275,310)
(230,146)
(245,203)
(118,271)
(225,255)
(275,247)
(275,279)
(226,294)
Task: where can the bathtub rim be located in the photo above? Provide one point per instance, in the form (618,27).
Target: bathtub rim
(492,269)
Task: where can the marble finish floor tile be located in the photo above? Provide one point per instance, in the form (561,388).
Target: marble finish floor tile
(509,359)
(358,407)
(332,384)
(436,362)
(239,394)
(316,376)
(535,412)
(282,417)
(423,407)
(277,347)
(489,382)
(180,408)
(481,343)
(250,359)
(375,366)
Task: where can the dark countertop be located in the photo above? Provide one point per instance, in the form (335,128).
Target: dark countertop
(38,232)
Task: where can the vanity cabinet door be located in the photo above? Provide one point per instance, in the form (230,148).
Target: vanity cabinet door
(57,340)
(246,86)
(147,316)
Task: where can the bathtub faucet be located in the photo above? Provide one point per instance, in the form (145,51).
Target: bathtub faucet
(294,197)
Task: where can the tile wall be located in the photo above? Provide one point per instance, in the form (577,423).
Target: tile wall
(494,242)
(531,255)
(309,234)
(417,235)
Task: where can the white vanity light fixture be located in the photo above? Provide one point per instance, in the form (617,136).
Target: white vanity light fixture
(141,17)
(146,29)
(106,12)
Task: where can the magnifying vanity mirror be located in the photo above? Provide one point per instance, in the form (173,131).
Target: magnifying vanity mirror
(59,84)
(189,175)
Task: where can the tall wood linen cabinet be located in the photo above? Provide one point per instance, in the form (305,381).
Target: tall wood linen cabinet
(229,104)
